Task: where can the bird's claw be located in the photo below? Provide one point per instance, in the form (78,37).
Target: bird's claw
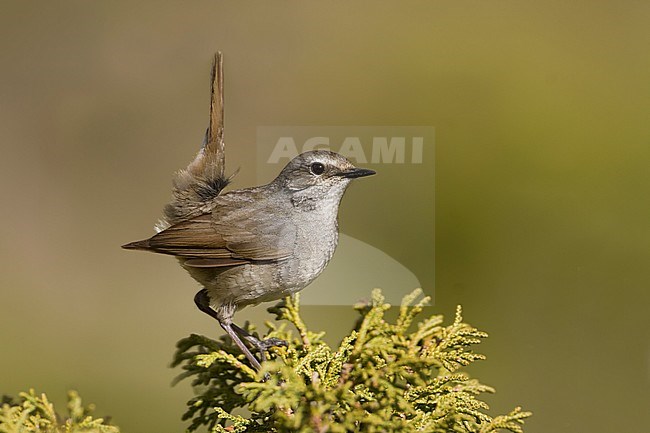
(270,342)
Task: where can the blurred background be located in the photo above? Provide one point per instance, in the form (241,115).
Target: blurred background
(541,114)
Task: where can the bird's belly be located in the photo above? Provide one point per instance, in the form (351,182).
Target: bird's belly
(253,283)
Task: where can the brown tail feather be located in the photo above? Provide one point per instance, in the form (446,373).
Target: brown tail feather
(204,178)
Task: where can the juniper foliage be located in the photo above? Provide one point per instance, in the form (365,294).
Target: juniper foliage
(34,413)
(383,377)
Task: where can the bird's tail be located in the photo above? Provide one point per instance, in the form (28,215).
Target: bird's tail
(204,178)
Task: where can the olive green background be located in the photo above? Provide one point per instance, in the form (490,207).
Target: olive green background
(541,113)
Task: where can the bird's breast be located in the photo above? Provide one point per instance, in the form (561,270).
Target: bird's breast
(315,241)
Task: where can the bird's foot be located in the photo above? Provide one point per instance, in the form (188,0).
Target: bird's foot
(264,345)
(268,343)
(261,345)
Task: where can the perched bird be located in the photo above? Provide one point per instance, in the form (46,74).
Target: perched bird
(256,244)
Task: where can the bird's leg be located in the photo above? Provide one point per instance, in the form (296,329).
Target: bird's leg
(202,301)
(261,345)
(228,328)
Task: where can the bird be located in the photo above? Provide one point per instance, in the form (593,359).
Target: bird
(251,245)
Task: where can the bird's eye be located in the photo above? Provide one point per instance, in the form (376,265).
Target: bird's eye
(317,168)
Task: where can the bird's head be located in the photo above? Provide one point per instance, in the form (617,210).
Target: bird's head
(319,173)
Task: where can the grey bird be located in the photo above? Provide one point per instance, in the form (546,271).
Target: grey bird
(264,243)
(256,244)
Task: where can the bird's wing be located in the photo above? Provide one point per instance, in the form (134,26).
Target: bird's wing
(230,239)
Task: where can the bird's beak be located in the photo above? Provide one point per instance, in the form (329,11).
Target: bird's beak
(356,172)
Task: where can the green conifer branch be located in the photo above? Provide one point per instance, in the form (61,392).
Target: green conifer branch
(382,377)
(34,413)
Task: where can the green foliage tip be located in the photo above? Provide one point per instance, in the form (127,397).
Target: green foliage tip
(34,413)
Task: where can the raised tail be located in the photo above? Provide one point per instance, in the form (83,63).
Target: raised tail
(204,178)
